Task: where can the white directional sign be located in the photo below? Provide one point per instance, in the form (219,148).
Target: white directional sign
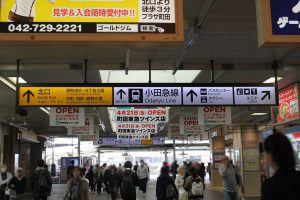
(207,96)
(255,95)
(147,96)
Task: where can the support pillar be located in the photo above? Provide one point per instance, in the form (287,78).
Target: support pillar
(174,151)
(218,152)
(166,155)
(79,151)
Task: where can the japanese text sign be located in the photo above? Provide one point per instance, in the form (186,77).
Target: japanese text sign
(278,22)
(159,18)
(214,115)
(67,116)
(136,129)
(141,115)
(255,95)
(174,131)
(87,129)
(288,108)
(189,125)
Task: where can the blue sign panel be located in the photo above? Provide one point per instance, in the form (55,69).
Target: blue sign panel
(285,17)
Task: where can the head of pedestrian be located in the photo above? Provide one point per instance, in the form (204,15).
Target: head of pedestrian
(77,172)
(165,170)
(127,165)
(181,170)
(113,169)
(41,163)
(226,161)
(72,162)
(19,173)
(3,168)
(279,152)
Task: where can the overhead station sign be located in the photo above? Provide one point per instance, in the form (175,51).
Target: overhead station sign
(122,20)
(110,141)
(120,95)
(278,22)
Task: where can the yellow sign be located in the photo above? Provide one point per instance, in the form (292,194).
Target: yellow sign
(147,142)
(65,96)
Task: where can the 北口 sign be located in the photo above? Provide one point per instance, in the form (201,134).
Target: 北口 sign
(96,20)
(214,115)
(64,96)
(174,131)
(67,116)
(141,115)
(135,96)
(288,109)
(87,129)
(140,129)
(189,125)
(255,95)
(278,22)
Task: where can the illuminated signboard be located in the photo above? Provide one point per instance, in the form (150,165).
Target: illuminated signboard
(96,20)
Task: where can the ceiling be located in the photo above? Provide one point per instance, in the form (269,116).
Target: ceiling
(229,37)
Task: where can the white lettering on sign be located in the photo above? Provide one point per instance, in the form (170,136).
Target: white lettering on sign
(207,96)
(67,116)
(254,95)
(214,115)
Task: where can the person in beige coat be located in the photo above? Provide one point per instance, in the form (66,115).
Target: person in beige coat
(77,187)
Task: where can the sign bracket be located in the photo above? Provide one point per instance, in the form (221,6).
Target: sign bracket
(212,71)
(275,68)
(150,70)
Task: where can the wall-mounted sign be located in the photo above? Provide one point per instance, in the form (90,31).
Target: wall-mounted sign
(130,95)
(255,95)
(87,129)
(141,115)
(189,125)
(136,129)
(288,109)
(122,20)
(278,22)
(64,96)
(67,116)
(107,141)
(174,131)
(147,142)
(214,115)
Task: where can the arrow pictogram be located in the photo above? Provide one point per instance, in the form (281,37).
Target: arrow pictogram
(267,94)
(192,93)
(121,92)
(28,93)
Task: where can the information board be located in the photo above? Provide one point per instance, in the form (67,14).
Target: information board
(87,129)
(67,116)
(278,22)
(98,20)
(214,115)
(255,95)
(189,125)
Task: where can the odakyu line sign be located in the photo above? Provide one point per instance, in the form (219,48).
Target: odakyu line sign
(278,22)
(113,20)
(120,95)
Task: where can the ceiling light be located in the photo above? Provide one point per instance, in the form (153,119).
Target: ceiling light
(8,83)
(259,114)
(45,110)
(14,80)
(272,80)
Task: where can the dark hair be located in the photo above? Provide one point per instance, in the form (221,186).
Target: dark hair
(41,163)
(128,165)
(165,170)
(279,146)
(72,162)
(193,172)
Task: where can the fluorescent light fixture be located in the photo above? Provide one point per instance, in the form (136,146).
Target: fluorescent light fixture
(45,110)
(272,80)
(8,83)
(259,114)
(14,80)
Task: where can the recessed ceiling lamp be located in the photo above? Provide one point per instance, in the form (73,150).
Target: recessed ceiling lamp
(272,80)
(259,114)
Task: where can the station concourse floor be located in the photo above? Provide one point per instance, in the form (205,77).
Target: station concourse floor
(210,194)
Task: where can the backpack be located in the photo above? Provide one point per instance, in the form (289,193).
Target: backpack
(43,182)
(197,187)
(127,186)
(171,192)
(75,190)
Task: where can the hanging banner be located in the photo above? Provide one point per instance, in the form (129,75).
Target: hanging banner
(127,19)
(189,125)
(214,115)
(288,109)
(87,129)
(174,131)
(141,115)
(136,129)
(67,116)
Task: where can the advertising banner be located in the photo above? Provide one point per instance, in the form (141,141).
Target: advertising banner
(214,115)
(174,131)
(87,129)
(288,109)
(136,129)
(141,115)
(67,116)
(189,125)
(92,16)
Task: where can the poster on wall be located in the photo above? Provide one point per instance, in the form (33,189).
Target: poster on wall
(87,129)
(288,109)
(189,125)
(67,116)
(214,115)
(251,159)
(174,131)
